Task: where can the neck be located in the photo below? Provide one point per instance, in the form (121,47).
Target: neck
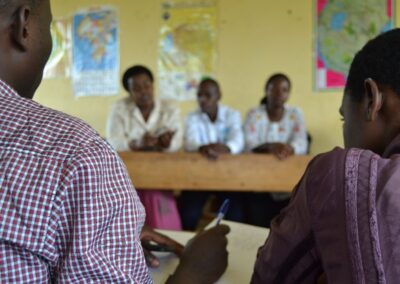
(213,114)
(12,82)
(13,72)
(275,113)
(146,111)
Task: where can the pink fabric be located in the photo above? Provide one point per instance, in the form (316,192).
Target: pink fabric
(389,8)
(161,209)
(321,5)
(335,79)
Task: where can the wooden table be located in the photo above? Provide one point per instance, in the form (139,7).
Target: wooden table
(191,171)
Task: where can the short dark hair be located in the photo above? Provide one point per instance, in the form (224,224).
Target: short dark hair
(276,76)
(212,81)
(135,71)
(5,3)
(272,78)
(379,60)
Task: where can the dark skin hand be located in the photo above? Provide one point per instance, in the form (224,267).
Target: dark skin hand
(213,151)
(164,140)
(204,258)
(133,145)
(280,150)
(153,143)
(150,143)
(147,235)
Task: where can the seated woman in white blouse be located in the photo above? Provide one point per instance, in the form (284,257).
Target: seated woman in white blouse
(140,122)
(278,129)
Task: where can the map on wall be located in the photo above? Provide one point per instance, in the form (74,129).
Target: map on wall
(342,28)
(187,47)
(95,52)
(59,63)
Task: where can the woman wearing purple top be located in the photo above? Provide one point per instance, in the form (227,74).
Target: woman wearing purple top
(343,222)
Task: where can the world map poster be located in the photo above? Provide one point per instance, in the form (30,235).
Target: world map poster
(95,52)
(342,28)
(187,47)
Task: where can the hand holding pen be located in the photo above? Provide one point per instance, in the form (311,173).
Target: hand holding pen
(204,258)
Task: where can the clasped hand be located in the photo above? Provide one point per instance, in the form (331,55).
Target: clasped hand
(279,150)
(153,143)
(213,151)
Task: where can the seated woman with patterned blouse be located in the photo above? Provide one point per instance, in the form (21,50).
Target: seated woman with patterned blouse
(274,127)
(278,129)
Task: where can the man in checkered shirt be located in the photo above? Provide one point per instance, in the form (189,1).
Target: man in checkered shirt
(69,213)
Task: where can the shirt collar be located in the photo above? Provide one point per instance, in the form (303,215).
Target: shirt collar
(134,107)
(6,90)
(264,107)
(153,115)
(220,114)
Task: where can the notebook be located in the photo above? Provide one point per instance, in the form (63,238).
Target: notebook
(243,243)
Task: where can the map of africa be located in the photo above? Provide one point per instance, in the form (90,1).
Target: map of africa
(343,27)
(95,52)
(95,40)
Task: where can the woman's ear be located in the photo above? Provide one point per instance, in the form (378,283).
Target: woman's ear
(219,95)
(20,29)
(374,99)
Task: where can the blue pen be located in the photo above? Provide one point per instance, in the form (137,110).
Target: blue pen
(222,211)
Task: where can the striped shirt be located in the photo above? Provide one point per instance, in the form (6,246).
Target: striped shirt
(68,210)
(227,129)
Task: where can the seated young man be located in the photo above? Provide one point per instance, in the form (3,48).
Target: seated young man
(212,130)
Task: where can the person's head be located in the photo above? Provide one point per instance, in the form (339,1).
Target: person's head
(371,100)
(208,95)
(138,82)
(276,90)
(25,43)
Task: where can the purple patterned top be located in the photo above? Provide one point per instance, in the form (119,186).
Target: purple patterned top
(343,220)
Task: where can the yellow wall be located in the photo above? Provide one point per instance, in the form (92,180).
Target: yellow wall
(255,38)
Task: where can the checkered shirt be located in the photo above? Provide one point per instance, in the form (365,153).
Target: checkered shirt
(68,210)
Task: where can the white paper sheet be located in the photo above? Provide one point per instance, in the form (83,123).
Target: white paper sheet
(243,243)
